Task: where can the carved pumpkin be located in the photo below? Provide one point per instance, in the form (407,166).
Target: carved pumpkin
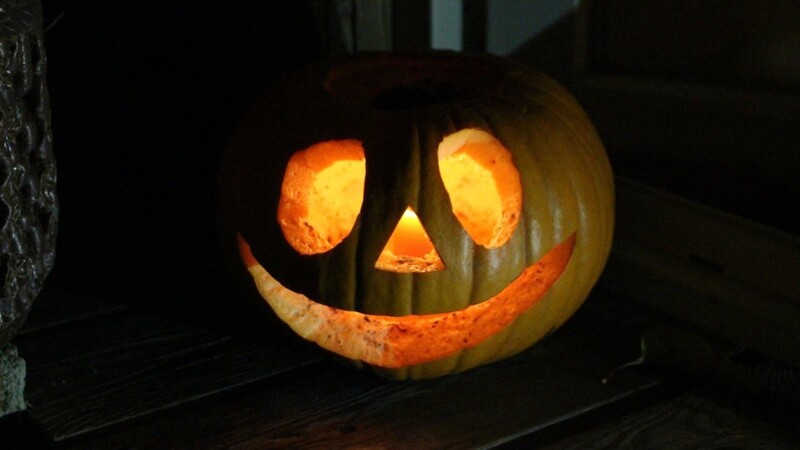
(422,214)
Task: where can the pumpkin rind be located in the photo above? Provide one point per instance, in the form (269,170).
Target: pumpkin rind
(566,178)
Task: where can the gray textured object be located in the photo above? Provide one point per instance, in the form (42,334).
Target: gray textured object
(12,381)
(28,205)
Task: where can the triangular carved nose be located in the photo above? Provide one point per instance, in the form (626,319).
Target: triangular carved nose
(409,249)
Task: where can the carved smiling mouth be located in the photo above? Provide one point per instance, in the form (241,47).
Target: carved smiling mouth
(394,342)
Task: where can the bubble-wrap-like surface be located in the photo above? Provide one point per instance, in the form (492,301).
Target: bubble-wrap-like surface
(28,204)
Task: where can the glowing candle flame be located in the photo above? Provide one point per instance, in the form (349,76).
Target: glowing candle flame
(409,238)
(409,249)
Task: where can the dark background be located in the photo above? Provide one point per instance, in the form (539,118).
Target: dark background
(144,97)
(699,99)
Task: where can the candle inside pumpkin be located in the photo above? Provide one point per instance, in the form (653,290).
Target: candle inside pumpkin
(409,237)
(409,249)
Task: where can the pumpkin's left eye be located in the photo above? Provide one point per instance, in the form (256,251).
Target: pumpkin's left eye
(483,184)
(321,195)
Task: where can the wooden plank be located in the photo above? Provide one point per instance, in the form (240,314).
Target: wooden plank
(731,277)
(55,307)
(731,149)
(690,420)
(480,409)
(274,407)
(328,405)
(755,255)
(121,366)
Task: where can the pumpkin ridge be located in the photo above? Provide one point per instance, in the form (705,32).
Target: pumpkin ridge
(502,339)
(500,342)
(476,296)
(418,167)
(586,148)
(453,362)
(586,129)
(492,124)
(587,151)
(553,197)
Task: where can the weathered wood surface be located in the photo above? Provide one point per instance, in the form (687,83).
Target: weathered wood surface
(123,379)
(93,372)
(329,406)
(690,420)
(729,276)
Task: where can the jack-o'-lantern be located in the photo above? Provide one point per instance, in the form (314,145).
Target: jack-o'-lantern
(421,214)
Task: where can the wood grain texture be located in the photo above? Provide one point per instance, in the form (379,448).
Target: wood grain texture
(337,408)
(131,380)
(690,420)
(327,405)
(55,307)
(122,366)
(731,277)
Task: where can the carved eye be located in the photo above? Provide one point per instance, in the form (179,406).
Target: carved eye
(483,185)
(321,195)
(323,188)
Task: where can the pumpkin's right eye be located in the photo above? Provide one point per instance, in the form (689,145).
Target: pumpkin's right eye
(321,195)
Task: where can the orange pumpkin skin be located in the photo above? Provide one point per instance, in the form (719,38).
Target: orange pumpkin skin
(400,107)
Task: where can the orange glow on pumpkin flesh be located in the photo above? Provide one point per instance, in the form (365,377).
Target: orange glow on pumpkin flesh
(394,342)
(501,165)
(321,195)
(320,199)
